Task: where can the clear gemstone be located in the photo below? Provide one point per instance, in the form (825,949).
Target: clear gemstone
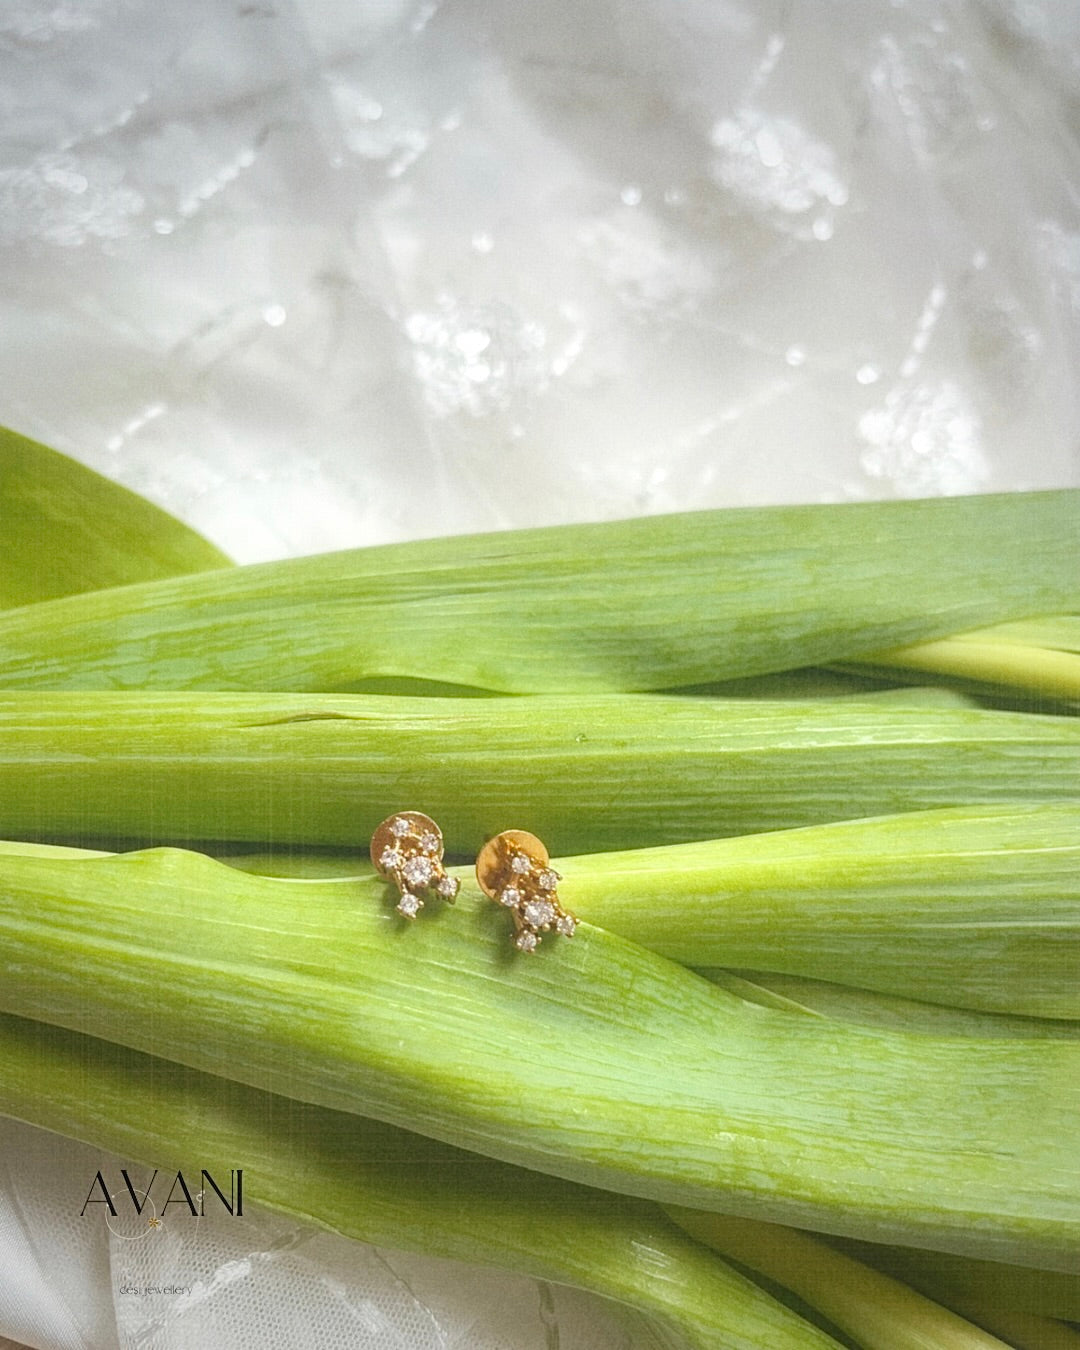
(389,858)
(448,887)
(429,842)
(510,897)
(526,942)
(410,905)
(400,827)
(566,925)
(520,863)
(547,880)
(539,912)
(418,871)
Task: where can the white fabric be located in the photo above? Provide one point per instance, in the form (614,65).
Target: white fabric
(326,273)
(321,274)
(215,1283)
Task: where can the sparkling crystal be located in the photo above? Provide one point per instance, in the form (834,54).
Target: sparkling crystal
(526,941)
(566,925)
(418,871)
(400,827)
(448,887)
(539,912)
(520,863)
(510,897)
(547,880)
(429,842)
(389,858)
(410,905)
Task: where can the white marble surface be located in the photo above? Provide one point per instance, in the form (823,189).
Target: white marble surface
(315,274)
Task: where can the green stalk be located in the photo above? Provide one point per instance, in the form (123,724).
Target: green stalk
(973,908)
(819,998)
(807,682)
(1025,1332)
(1035,658)
(964,1281)
(993,665)
(878,1312)
(585,773)
(1044,975)
(67,529)
(309,864)
(976,908)
(1058,632)
(628,605)
(812,683)
(312,864)
(382,1185)
(594,1060)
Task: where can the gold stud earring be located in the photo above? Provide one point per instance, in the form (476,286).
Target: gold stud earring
(513,869)
(407,849)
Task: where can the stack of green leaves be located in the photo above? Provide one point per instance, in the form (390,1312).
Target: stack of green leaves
(826,978)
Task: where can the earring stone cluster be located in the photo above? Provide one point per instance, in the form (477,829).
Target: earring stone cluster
(407,849)
(514,870)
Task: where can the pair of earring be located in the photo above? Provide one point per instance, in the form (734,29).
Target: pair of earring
(513,869)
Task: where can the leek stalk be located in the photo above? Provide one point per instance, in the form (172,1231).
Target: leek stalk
(596,1060)
(380,1184)
(846,1004)
(878,1312)
(585,773)
(964,1281)
(628,605)
(1037,671)
(976,908)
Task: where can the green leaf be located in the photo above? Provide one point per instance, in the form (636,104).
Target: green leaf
(630,605)
(994,668)
(1032,662)
(594,1060)
(383,1185)
(820,998)
(973,908)
(962,910)
(585,773)
(880,1313)
(1058,632)
(67,529)
(971,1282)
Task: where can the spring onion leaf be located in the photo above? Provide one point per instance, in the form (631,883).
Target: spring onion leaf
(595,1060)
(585,773)
(65,529)
(381,1184)
(628,605)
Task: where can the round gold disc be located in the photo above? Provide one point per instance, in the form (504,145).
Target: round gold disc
(493,861)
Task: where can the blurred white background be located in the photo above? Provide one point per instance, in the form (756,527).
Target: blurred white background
(318,273)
